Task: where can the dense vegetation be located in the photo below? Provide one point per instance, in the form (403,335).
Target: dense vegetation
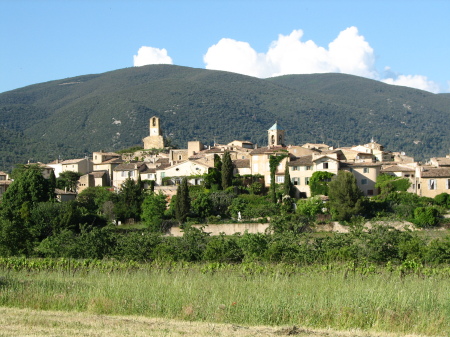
(71,256)
(110,111)
(33,224)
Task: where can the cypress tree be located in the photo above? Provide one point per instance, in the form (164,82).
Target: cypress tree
(287,190)
(182,202)
(227,171)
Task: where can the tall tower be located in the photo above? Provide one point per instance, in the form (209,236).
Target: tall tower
(276,135)
(155,140)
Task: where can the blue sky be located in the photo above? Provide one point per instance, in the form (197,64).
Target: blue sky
(398,42)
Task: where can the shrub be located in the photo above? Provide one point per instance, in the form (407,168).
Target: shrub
(426,216)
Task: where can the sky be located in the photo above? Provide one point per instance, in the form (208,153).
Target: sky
(401,42)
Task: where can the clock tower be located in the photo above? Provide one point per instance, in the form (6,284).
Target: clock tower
(155,140)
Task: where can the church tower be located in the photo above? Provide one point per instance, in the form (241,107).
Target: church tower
(155,140)
(276,135)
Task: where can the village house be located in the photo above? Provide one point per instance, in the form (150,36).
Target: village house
(4,182)
(167,168)
(433,181)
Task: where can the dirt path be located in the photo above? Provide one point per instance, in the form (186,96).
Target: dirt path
(27,322)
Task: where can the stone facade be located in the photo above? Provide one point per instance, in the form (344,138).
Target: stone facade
(155,140)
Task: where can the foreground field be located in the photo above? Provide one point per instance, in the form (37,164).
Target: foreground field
(27,322)
(341,297)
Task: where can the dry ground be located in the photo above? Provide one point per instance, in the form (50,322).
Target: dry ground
(27,323)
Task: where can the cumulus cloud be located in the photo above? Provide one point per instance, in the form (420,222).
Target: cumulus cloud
(149,55)
(348,53)
(414,81)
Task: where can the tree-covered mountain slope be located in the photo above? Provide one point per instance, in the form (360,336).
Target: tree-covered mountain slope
(110,111)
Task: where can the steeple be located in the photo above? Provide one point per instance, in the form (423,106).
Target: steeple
(276,135)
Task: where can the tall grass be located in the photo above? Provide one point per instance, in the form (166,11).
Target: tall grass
(310,297)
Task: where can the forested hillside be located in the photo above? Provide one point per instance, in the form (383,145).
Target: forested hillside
(110,111)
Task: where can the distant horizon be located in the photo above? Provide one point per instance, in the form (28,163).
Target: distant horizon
(403,42)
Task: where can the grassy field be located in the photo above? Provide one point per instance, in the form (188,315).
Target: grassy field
(248,295)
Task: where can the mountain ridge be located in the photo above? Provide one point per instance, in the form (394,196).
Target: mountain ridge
(75,116)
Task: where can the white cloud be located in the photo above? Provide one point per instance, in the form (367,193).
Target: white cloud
(150,55)
(414,81)
(235,56)
(348,53)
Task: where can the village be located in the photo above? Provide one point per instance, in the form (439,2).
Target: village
(165,169)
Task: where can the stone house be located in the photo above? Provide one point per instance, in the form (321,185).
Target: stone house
(127,170)
(433,181)
(4,182)
(92,179)
(366,174)
(188,168)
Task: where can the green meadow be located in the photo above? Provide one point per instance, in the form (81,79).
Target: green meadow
(399,299)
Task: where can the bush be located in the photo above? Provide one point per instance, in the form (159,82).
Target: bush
(223,249)
(426,216)
(442,199)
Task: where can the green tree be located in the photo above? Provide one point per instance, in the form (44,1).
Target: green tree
(227,171)
(94,198)
(345,196)
(388,184)
(182,202)
(68,180)
(153,209)
(202,205)
(310,207)
(318,184)
(274,161)
(129,200)
(52,185)
(28,187)
(287,190)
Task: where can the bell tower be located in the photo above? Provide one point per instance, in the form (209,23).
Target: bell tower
(155,140)
(275,135)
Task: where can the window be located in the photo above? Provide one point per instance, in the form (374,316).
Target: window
(131,173)
(179,157)
(280,179)
(308,168)
(447,184)
(369,192)
(163,174)
(2,177)
(366,170)
(363,181)
(124,174)
(325,165)
(307,181)
(295,181)
(432,184)
(295,168)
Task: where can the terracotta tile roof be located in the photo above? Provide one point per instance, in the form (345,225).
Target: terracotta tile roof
(436,173)
(130,166)
(72,161)
(241,163)
(443,161)
(362,164)
(397,168)
(111,161)
(149,170)
(302,161)
(268,150)
(60,192)
(98,174)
